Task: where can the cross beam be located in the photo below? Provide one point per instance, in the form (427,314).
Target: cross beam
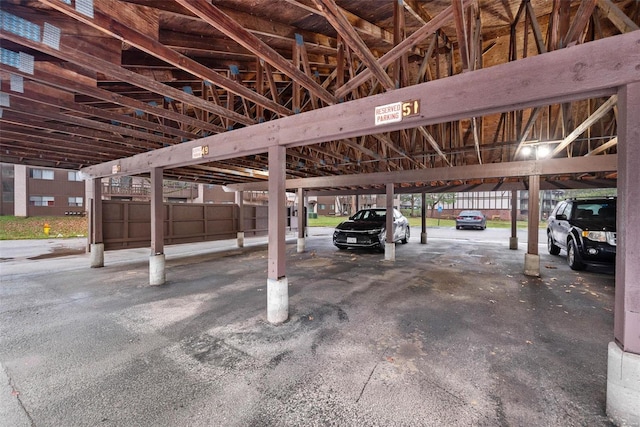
(588,70)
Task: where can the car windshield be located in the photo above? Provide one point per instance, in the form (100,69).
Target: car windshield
(601,212)
(470,213)
(369,215)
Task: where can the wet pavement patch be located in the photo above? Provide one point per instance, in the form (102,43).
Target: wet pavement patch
(58,252)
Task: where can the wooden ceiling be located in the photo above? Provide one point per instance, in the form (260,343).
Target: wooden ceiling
(89,81)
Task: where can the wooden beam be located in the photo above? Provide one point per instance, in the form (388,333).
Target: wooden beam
(418,12)
(50,74)
(346,31)
(537,33)
(32,108)
(399,50)
(573,165)
(582,17)
(432,141)
(99,65)
(69,149)
(527,129)
(597,115)
(461,33)
(361,25)
(604,147)
(617,17)
(33,118)
(33,93)
(117,29)
(75,144)
(569,74)
(218,19)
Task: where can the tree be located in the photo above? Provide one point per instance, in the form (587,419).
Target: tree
(591,193)
(432,200)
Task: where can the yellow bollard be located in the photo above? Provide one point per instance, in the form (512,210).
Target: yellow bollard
(46,229)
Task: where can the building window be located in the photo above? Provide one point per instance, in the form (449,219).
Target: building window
(41,174)
(321,207)
(75,201)
(74,176)
(41,201)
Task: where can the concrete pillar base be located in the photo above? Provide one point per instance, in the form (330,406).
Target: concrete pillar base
(532,265)
(513,243)
(390,252)
(240,239)
(97,255)
(623,386)
(277,300)
(423,238)
(156,270)
(301,244)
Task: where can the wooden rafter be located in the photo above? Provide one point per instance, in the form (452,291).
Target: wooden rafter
(388,58)
(579,25)
(622,22)
(109,25)
(361,25)
(215,17)
(346,31)
(597,115)
(604,147)
(99,65)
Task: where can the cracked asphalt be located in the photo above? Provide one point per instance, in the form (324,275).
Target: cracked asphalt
(451,333)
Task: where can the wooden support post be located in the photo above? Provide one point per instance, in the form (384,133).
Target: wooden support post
(157,260)
(97,244)
(240,204)
(302,220)
(157,214)
(423,211)
(513,240)
(623,376)
(277,286)
(532,258)
(390,246)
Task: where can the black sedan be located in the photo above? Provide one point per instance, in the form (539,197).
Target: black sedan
(471,219)
(367,229)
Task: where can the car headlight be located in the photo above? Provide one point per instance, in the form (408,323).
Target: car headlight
(596,236)
(376,231)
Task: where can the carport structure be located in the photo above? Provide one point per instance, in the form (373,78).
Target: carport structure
(337,97)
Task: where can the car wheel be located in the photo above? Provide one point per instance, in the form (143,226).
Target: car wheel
(551,246)
(458,227)
(573,257)
(406,236)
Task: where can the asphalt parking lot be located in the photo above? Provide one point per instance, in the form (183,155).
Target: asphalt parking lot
(451,333)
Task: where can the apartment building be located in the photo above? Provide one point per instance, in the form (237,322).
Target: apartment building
(35,191)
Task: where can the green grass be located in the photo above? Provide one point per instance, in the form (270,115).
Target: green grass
(15,228)
(332,221)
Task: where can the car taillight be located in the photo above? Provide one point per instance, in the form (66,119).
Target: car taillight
(460,218)
(477,217)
